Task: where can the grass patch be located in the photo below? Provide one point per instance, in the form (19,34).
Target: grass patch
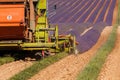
(4,60)
(36,67)
(118,12)
(93,68)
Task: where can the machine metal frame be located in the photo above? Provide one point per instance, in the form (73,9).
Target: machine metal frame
(42,40)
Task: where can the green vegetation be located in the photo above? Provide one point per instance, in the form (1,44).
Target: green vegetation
(37,66)
(93,68)
(4,60)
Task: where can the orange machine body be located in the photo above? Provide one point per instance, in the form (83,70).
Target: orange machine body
(12,21)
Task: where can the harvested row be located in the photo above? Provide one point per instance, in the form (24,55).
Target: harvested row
(90,37)
(111,66)
(10,69)
(69,67)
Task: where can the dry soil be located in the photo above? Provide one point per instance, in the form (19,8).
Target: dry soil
(69,67)
(10,69)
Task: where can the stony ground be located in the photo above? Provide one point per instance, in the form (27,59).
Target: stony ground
(69,67)
(110,70)
(10,69)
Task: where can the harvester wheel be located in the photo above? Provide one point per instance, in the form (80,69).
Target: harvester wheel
(38,55)
(62,47)
(42,54)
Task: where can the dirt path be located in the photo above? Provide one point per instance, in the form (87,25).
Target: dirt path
(110,70)
(10,69)
(69,67)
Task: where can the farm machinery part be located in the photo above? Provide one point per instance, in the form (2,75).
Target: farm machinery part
(24,26)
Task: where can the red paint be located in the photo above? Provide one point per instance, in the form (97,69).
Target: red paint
(12,21)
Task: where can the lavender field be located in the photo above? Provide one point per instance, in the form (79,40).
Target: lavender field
(75,16)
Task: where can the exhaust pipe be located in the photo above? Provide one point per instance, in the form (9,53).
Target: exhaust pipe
(32,16)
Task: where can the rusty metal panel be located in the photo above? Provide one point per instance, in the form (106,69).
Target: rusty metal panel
(12,20)
(11,14)
(11,33)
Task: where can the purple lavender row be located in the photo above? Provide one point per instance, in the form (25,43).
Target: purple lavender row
(58,16)
(89,39)
(82,19)
(102,14)
(79,28)
(110,14)
(91,19)
(67,16)
(51,3)
(100,26)
(63,13)
(60,9)
(58,4)
(93,16)
(66,28)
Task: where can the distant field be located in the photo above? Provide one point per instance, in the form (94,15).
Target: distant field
(81,11)
(77,16)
